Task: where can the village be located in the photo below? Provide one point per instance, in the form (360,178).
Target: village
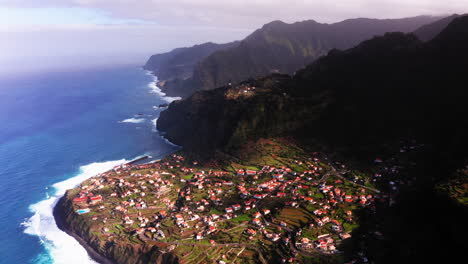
(305,209)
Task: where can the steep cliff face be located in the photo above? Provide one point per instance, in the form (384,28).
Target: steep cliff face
(224,118)
(178,64)
(102,251)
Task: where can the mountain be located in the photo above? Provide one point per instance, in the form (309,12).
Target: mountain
(395,84)
(179,63)
(361,102)
(284,48)
(429,31)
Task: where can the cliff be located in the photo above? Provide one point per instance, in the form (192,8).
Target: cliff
(102,250)
(178,65)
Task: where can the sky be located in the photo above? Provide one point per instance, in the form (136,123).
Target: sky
(52,34)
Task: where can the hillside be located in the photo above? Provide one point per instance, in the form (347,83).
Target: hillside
(356,88)
(284,48)
(362,103)
(429,31)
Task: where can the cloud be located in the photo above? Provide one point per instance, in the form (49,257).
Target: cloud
(253,13)
(80,45)
(130,30)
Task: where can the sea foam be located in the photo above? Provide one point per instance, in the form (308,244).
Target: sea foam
(155,123)
(155,89)
(133,120)
(61,247)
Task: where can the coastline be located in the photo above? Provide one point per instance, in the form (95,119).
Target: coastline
(58,210)
(61,224)
(157,90)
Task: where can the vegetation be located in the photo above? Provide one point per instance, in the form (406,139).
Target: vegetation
(391,94)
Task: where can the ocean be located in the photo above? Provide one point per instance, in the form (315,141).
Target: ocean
(58,129)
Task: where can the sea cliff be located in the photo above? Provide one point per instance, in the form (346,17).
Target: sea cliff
(105,252)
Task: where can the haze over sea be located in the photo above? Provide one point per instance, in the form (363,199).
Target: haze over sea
(58,129)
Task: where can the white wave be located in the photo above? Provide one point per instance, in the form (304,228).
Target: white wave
(155,89)
(156,107)
(170,143)
(61,247)
(155,123)
(133,120)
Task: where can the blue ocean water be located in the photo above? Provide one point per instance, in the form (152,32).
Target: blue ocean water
(57,129)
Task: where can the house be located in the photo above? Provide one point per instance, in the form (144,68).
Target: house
(236,207)
(211,229)
(275,237)
(95,199)
(251,232)
(345,236)
(179,218)
(251,172)
(338,191)
(229,210)
(198,236)
(266,211)
(163,214)
(80,199)
(256,221)
(257,215)
(336,228)
(260,196)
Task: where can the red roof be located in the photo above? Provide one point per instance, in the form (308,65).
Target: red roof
(96,198)
(80,199)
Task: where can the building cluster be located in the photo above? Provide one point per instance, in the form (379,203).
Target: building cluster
(148,199)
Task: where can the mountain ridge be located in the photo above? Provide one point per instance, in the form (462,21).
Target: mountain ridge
(284,48)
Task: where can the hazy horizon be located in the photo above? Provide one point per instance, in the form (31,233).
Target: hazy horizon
(52,34)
